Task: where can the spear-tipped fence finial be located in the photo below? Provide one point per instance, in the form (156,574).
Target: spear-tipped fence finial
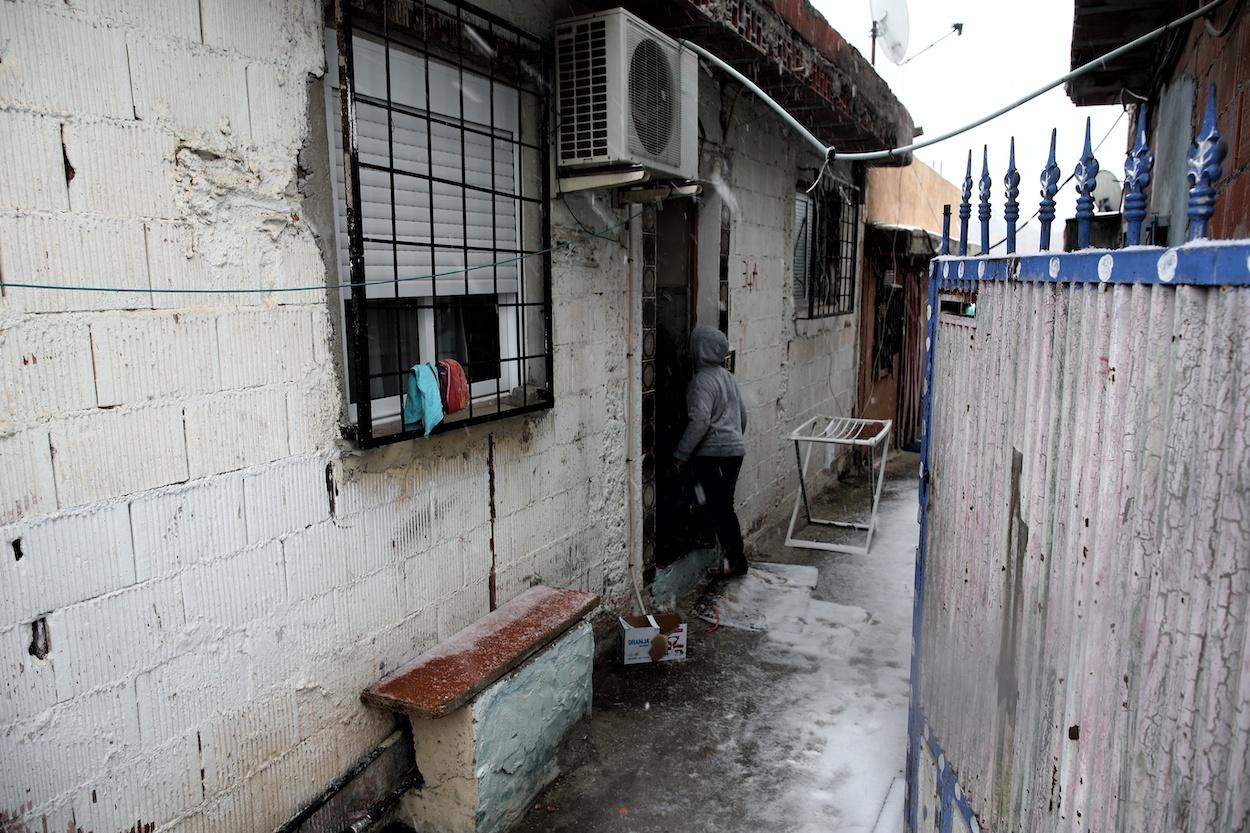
(1086,177)
(1137,169)
(983,211)
(1050,186)
(1205,159)
(965,208)
(1011,205)
(946,230)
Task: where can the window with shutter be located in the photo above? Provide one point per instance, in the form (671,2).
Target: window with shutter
(826,237)
(452,214)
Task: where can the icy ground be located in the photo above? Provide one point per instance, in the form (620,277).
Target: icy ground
(789,718)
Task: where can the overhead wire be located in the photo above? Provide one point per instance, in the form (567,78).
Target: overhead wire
(831,153)
(824,166)
(205,290)
(1070,177)
(603,235)
(588,234)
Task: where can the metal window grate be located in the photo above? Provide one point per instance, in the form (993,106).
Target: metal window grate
(583,60)
(440,159)
(826,251)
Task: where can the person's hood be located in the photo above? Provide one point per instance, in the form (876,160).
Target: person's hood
(708,347)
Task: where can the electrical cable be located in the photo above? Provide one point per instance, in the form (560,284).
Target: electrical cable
(824,166)
(1071,176)
(601,235)
(321,287)
(871,156)
(829,153)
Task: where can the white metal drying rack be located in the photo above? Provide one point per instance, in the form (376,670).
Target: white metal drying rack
(864,433)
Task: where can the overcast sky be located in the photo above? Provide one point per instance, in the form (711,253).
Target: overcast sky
(1008,48)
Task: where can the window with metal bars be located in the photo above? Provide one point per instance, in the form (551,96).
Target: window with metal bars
(439,172)
(826,251)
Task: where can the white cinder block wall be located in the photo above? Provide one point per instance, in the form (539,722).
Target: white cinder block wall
(789,370)
(208,575)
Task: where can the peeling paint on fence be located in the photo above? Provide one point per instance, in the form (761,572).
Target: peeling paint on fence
(1084,635)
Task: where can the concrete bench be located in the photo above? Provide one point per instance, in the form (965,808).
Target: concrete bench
(489,707)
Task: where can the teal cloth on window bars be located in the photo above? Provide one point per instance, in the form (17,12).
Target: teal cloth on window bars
(422,405)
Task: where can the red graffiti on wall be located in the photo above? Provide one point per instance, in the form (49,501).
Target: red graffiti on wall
(749,277)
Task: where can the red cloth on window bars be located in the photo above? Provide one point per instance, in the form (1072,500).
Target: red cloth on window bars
(441,370)
(454,385)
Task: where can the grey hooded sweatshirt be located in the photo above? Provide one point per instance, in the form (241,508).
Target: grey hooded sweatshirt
(713,404)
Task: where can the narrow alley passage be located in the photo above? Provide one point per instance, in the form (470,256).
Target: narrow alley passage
(800,728)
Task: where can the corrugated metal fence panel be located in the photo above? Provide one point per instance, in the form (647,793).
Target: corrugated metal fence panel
(1085,641)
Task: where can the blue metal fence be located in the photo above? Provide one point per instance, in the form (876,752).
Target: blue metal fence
(935,801)
(1205,166)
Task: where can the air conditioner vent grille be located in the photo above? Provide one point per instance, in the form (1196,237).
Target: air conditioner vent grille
(650,96)
(582,59)
(654,99)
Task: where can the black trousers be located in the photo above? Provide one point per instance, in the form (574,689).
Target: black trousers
(714,480)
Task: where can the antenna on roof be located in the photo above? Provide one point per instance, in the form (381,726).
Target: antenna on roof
(956,29)
(890,25)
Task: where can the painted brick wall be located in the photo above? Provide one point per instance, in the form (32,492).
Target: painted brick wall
(218,576)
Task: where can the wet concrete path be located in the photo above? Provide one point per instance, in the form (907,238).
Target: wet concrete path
(802,730)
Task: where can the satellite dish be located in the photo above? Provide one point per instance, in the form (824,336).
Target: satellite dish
(891,27)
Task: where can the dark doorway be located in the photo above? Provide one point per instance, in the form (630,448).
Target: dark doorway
(676,531)
(895,292)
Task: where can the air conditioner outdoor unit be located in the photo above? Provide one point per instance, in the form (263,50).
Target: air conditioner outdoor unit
(627,95)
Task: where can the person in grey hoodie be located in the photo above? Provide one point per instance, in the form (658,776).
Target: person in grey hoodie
(712,444)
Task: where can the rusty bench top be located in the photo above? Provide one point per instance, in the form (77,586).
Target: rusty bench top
(454,671)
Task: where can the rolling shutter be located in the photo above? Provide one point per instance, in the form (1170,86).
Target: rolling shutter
(437,153)
(802,242)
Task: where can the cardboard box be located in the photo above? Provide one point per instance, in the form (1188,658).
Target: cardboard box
(660,637)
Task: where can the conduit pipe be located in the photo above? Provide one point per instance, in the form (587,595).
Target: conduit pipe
(830,152)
